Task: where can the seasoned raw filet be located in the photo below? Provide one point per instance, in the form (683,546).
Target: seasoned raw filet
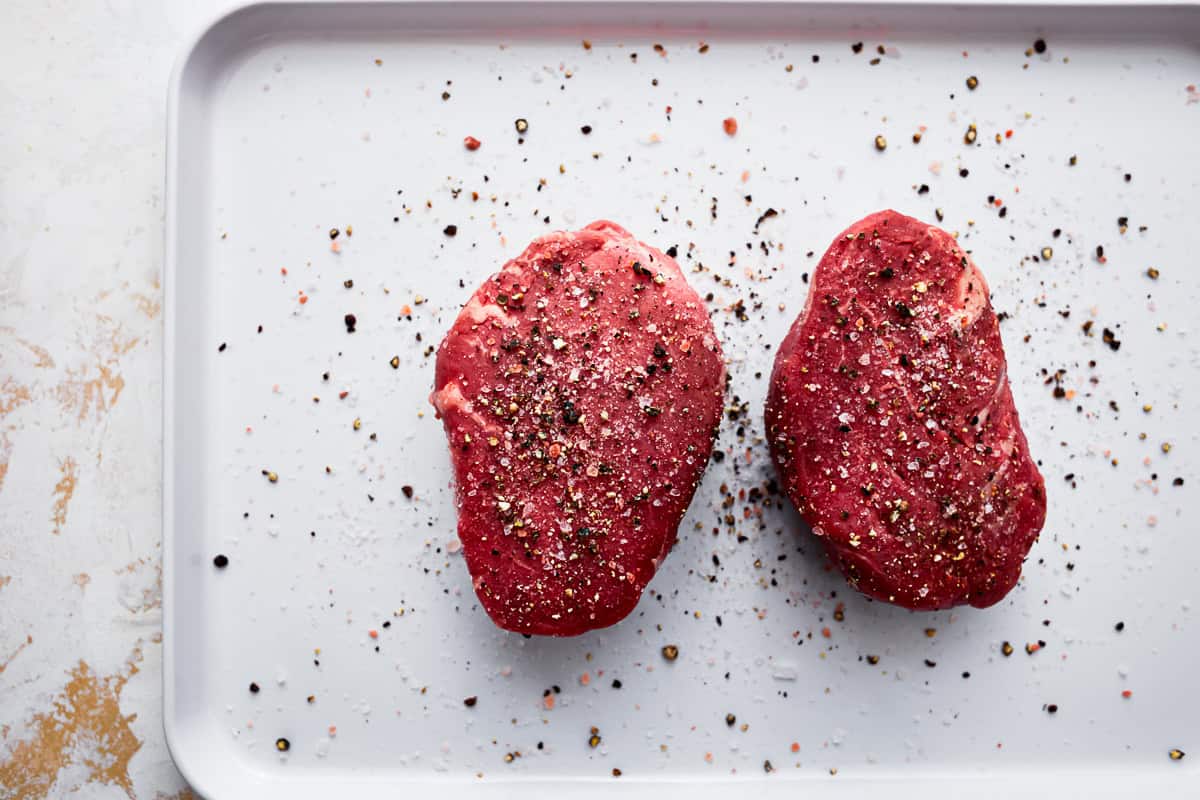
(892,425)
(580,389)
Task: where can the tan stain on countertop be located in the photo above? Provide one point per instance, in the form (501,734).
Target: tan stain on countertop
(141,588)
(64,490)
(81,580)
(83,727)
(5,580)
(97,387)
(12,395)
(182,794)
(44,361)
(4,664)
(5,456)
(81,392)
(149,306)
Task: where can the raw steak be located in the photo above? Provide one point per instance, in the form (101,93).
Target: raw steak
(892,425)
(580,389)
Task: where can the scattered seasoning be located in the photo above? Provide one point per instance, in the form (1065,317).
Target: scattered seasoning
(221,561)
(1047,253)
(470,701)
(730,719)
(348,283)
(283,745)
(1176,754)
(1152,273)
(857,47)
(271,476)
(357,424)
(670,652)
(616,684)
(407,491)
(450,230)
(1120,626)
(221,348)
(253,687)
(585,130)
(1006,649)
(616,773)
(880,143)
(872,659)
(1052,708)
(471,143)
(395,362)
(521,124)
(917,137)
(730,125)
(971,134)
(594,738)
(351,323)
(972,83)
(767,768)
(1039,46)
(333,233)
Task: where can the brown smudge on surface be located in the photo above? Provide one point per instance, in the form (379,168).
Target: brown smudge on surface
(96,389)
(182,794)
(64,490)
(84,726)
(142,589)
(5,455)
(4,664)
(81,394)
(44,360)
(12,395)
(5,580)
(82,579)
(147,305)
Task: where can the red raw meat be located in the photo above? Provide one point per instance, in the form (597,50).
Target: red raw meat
(892,424)
(580,389)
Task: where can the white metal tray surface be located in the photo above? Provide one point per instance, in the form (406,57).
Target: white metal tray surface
(346,600)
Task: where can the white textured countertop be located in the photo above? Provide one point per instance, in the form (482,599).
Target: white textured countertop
(83,99)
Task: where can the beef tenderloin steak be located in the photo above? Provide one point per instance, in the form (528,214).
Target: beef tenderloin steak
(580,390)
(892,425)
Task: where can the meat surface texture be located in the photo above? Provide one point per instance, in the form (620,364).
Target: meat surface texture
(892,425)
(580,389)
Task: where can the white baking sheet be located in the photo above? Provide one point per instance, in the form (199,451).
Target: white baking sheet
(288,120)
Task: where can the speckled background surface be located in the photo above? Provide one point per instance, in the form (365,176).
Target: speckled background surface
(83,95)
